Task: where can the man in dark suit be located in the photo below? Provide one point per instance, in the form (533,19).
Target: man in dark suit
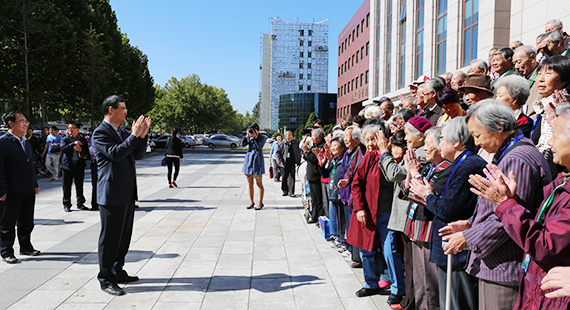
(313,174)
(116,150)
(74,150)
(288,156)
(18,189)
(432,110)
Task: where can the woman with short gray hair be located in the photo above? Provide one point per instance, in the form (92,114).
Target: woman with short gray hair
(454,202)
(513,92)
(372,112)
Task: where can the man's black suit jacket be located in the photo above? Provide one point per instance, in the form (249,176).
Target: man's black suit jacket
(17,170)
(67,146)
(282,150)
(117,182)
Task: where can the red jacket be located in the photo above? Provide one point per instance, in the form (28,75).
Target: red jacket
(365,190)
(547,244)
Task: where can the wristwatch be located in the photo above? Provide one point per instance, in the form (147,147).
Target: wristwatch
(418,176)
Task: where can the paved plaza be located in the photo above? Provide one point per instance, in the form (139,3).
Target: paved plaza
(194,247)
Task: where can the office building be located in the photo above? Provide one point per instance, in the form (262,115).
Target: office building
(294,109)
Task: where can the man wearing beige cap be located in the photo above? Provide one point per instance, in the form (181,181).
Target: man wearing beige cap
(414,85)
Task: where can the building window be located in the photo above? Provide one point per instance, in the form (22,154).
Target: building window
(349,39)
(301,42)
(301,87)
(362,26)
(357,53)
(310,43)
(366,76)
(353,60)
(388,46)
(352,35)
(339,50)
(361,78)
(342,47)
(308,76)
(402,22)
(470,30)
(341,68)
(310,33)
(357,30)
(309,54)
(301,54)
(377,52)
(301,33)
(441,42)
(356,82)
(308,87)
(300,76)
(352,85)
(367,47)
(420,13)
(309,65)
(300,65)
(367,19)
(361,53)
(339,71)
(349,64)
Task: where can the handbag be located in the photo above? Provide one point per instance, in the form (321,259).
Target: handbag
(163,162)
(271,172)
(55,148)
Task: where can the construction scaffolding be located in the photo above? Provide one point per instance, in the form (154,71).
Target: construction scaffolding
(297,54)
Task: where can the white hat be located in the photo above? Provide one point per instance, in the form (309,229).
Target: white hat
(421,79)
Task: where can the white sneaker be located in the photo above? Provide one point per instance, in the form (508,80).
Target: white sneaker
(346,254)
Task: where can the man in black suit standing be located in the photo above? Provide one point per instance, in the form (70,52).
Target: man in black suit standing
(18,189)
(288,156)
(116,150)
(74,150)
(313,174)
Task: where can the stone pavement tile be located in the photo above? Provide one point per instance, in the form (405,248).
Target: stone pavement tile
(196,269)
(358,303)
(239,247)
(42,299)
(234,300)
(345,285)
(190,290)
(240,235)
(210,241)
(68,281)
(274,231)
(234,261)
(277,268)
(273,305)
(230,283)
(160,305)
(82,306)
(151,280)
(203,253)
(271,289)
(11,295)
(274,252)
(90,293)
(12,278)
(139,301)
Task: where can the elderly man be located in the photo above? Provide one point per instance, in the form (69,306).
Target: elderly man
(553,44)
(515,44)
(288,155)
(556,24)
(525,63)
(495,258)
(415,84)
(74,150)
(502,63)
(18,189)
(116,150)
(458,79)
(447,77)
(478,66)
(476,88)
(411,105)
(387,108)
(313,175)
(273,158)
(432,111)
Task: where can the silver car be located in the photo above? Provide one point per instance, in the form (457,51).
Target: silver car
(221,141)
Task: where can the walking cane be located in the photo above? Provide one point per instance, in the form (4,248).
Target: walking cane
(448,282)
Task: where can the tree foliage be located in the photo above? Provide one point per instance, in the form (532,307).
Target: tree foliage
(61,58)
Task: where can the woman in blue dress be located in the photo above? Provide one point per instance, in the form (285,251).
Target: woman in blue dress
(253,166)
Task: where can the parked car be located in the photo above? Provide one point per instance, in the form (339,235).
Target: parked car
(188,141)
(221,141)
(160,142)
(199,139)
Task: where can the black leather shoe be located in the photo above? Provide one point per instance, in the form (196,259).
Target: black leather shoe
(292,195)
(30,253)
(10,259)
(395,299)
(82,207)
(67,209)
(128,279)
(311,221)
(363,292)
(94,208)
(285,194)
(114,289)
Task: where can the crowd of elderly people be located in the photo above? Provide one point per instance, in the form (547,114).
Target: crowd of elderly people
(474,165)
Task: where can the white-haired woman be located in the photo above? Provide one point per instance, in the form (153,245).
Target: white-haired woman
(513,91)
(454,202)
(372,112)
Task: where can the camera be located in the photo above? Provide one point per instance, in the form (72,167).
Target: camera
(307,131)
(252,128)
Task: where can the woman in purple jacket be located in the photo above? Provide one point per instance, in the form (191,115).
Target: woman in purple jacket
(543,235)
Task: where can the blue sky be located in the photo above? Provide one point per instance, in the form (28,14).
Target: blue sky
(220,40)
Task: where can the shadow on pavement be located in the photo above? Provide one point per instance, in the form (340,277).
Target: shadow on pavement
(177,208)
(89,258)
(265,283)
(54,222)
(176,200)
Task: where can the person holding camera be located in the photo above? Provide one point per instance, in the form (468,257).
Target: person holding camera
(253,166)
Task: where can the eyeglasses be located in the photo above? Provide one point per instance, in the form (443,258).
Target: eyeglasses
(23,121)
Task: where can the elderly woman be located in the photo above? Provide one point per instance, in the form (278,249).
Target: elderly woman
(448,99)
(418,225)
(455,202)
(372,198)
(543,235)
(399,119)
(253,165)
(495,258)
(513,92)
(372,112)
(552,84)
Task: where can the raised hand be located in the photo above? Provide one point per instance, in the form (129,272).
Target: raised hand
(496,188)
(454,227)
(137,127)
(412,162)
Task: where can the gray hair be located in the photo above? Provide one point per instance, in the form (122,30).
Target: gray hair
(433,84)
(516,86)
(493,115)
(541,36)
(462,74)
(339,140)
(412,129)
(564,109)
(506,52)
(528,50)
(435,134)
(373,111)
(481,64)
(555,22)
(371,129)
(456,130)
(356,132)
(319,132)
(287,132)
(555,36)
